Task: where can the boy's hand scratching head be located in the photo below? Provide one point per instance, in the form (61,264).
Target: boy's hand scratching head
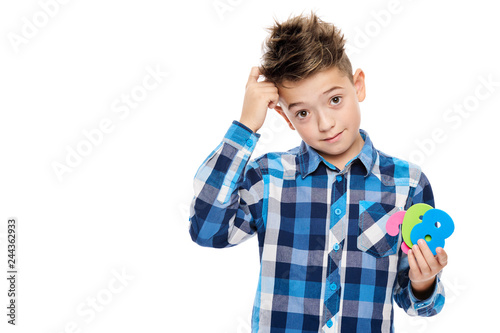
(259,96)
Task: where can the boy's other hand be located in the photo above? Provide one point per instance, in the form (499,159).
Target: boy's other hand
(259,96)
(424,267)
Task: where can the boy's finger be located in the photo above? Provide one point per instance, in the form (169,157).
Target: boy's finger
(422,263)
(274,102)
(412,262)
(442,256)
(254,74)
(427,253)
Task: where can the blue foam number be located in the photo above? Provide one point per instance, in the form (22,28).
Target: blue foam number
(436,226)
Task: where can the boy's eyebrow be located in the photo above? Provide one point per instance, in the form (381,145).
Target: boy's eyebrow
(324,93)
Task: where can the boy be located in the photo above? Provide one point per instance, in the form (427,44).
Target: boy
(319,210)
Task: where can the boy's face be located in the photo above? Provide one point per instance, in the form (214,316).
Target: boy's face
(324,109)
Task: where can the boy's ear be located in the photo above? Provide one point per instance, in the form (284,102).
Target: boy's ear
(359,83)
(282,113)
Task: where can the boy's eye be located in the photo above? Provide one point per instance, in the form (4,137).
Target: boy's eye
(302,114)
(335,100)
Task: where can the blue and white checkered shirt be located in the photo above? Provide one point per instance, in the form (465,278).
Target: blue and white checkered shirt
(327,263)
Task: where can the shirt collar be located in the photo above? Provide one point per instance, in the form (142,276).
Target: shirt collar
(309,159)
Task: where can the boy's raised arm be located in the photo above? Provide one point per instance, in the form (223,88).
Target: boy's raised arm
(227,206)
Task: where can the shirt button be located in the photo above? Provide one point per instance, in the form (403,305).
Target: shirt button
(249,143)
(329,323)
(333,287)
(338,211)
(336,247)
(339,178)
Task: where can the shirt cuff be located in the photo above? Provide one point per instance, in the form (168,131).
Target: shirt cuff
(421,304)
(241,137)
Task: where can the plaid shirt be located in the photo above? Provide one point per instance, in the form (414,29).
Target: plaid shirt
(327,263)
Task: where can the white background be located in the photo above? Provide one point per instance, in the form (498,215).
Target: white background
(123,208)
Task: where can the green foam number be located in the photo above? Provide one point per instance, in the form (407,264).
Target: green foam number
(413,217)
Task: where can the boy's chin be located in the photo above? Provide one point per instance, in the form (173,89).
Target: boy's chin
(324,150)
(328,153)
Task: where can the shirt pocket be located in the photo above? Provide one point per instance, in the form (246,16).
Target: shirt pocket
(373,237)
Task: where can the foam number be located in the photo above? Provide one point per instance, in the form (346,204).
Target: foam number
(392,227)
(393,223)
(436,226)
(413,217)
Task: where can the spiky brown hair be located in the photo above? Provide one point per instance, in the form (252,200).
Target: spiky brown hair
(300,47)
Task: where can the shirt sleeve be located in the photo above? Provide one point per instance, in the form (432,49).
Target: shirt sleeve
(228,192)
(402,289)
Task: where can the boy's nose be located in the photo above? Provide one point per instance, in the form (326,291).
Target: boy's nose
(325,121)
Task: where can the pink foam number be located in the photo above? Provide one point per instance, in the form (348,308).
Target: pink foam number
(392,225)
(404,247)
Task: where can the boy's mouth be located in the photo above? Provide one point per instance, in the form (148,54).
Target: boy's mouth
(334,138)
